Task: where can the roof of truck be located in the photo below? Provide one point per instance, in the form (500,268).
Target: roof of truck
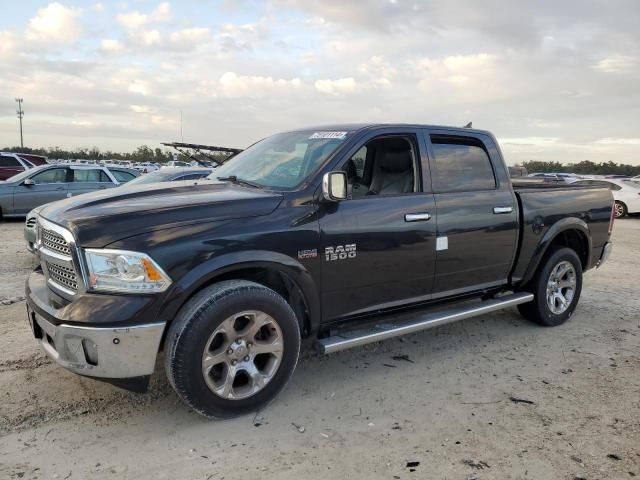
(354,127)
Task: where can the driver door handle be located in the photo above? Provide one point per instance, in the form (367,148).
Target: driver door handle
(417,217)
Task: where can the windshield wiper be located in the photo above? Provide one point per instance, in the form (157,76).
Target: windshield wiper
(239,181)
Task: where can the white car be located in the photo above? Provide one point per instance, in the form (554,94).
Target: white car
(626,193)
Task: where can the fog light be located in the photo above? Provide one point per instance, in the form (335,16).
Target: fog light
(90,352)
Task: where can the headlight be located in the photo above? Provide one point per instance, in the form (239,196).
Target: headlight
(122,271)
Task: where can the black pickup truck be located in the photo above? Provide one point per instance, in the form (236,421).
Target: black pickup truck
(330,237)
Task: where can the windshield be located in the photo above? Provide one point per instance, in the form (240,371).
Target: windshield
(282,161)
(632,183)
(22,175)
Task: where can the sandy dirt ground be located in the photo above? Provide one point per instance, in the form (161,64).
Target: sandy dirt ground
(489,398)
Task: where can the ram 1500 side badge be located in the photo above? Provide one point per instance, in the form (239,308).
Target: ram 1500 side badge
(340,252)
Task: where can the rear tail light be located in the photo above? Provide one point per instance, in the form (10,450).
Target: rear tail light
(612,217)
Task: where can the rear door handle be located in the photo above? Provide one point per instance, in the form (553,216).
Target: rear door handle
(417,217)
(499,210)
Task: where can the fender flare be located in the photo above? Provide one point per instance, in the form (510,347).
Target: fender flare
(206,273)
(570,223)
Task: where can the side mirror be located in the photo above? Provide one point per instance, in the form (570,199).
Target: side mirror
(334,186)
(28,182)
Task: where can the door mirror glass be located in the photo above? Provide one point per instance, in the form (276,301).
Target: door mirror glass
(28,182)
(334,186)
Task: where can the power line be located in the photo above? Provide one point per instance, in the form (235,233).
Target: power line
(20,113)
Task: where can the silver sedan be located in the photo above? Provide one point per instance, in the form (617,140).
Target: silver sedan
(37,186)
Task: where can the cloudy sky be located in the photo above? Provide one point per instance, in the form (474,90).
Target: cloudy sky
(554,80)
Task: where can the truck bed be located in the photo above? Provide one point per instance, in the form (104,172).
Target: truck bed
(544,205)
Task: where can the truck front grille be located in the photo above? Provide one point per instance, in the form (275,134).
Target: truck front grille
(56,250)
(63,276)
(54,242)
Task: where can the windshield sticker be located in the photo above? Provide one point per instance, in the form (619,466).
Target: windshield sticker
(338,135)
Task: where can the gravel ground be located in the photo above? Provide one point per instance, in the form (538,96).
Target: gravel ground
(488,398)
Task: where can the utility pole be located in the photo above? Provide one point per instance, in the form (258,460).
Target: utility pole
(20,113)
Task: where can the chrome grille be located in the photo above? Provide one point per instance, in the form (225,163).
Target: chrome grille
(63,276)
(54,242)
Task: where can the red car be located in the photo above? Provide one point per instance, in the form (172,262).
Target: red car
(33,158)
(14,163)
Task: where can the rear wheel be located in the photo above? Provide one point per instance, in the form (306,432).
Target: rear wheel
(556,287)
(232,348)
(620,209)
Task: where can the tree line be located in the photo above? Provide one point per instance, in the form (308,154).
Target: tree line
(141,154)
(585,167)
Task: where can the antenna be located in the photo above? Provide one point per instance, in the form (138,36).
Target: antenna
(181,135)
(20,113)
(468,125)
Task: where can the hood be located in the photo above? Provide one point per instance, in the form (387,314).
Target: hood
(99,218)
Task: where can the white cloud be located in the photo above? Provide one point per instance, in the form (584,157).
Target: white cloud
(616,63)
(239,37)
(55,23)
(336,87)
(140,108)
(139,86)
(7,43)
(135,20)
(254,86)
(150,38)
(189,38)
(379,71)
(618,141)
(111,46)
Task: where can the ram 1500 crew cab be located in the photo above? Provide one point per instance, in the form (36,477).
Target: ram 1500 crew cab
(338,236)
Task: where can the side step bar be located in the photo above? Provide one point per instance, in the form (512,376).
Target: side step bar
(379,332)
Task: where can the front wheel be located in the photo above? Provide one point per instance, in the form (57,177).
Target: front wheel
(232,348)
(556,286)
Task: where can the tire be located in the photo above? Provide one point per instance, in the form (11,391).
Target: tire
(552,311)
(620,209)
(222,378)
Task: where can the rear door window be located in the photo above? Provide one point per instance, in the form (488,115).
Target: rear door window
(460,165)
(90,176)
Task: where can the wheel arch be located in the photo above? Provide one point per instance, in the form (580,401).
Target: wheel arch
(569,232)
(277,271)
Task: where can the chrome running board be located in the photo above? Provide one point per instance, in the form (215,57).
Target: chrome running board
(355,338)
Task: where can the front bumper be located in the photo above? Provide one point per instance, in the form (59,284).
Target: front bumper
(110,353)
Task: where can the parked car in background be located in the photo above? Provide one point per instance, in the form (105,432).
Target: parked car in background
(39,185)
(560,177)
(626,193)
(145,167)
(34,159)
(176,163)
(172,175)
(11,164)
